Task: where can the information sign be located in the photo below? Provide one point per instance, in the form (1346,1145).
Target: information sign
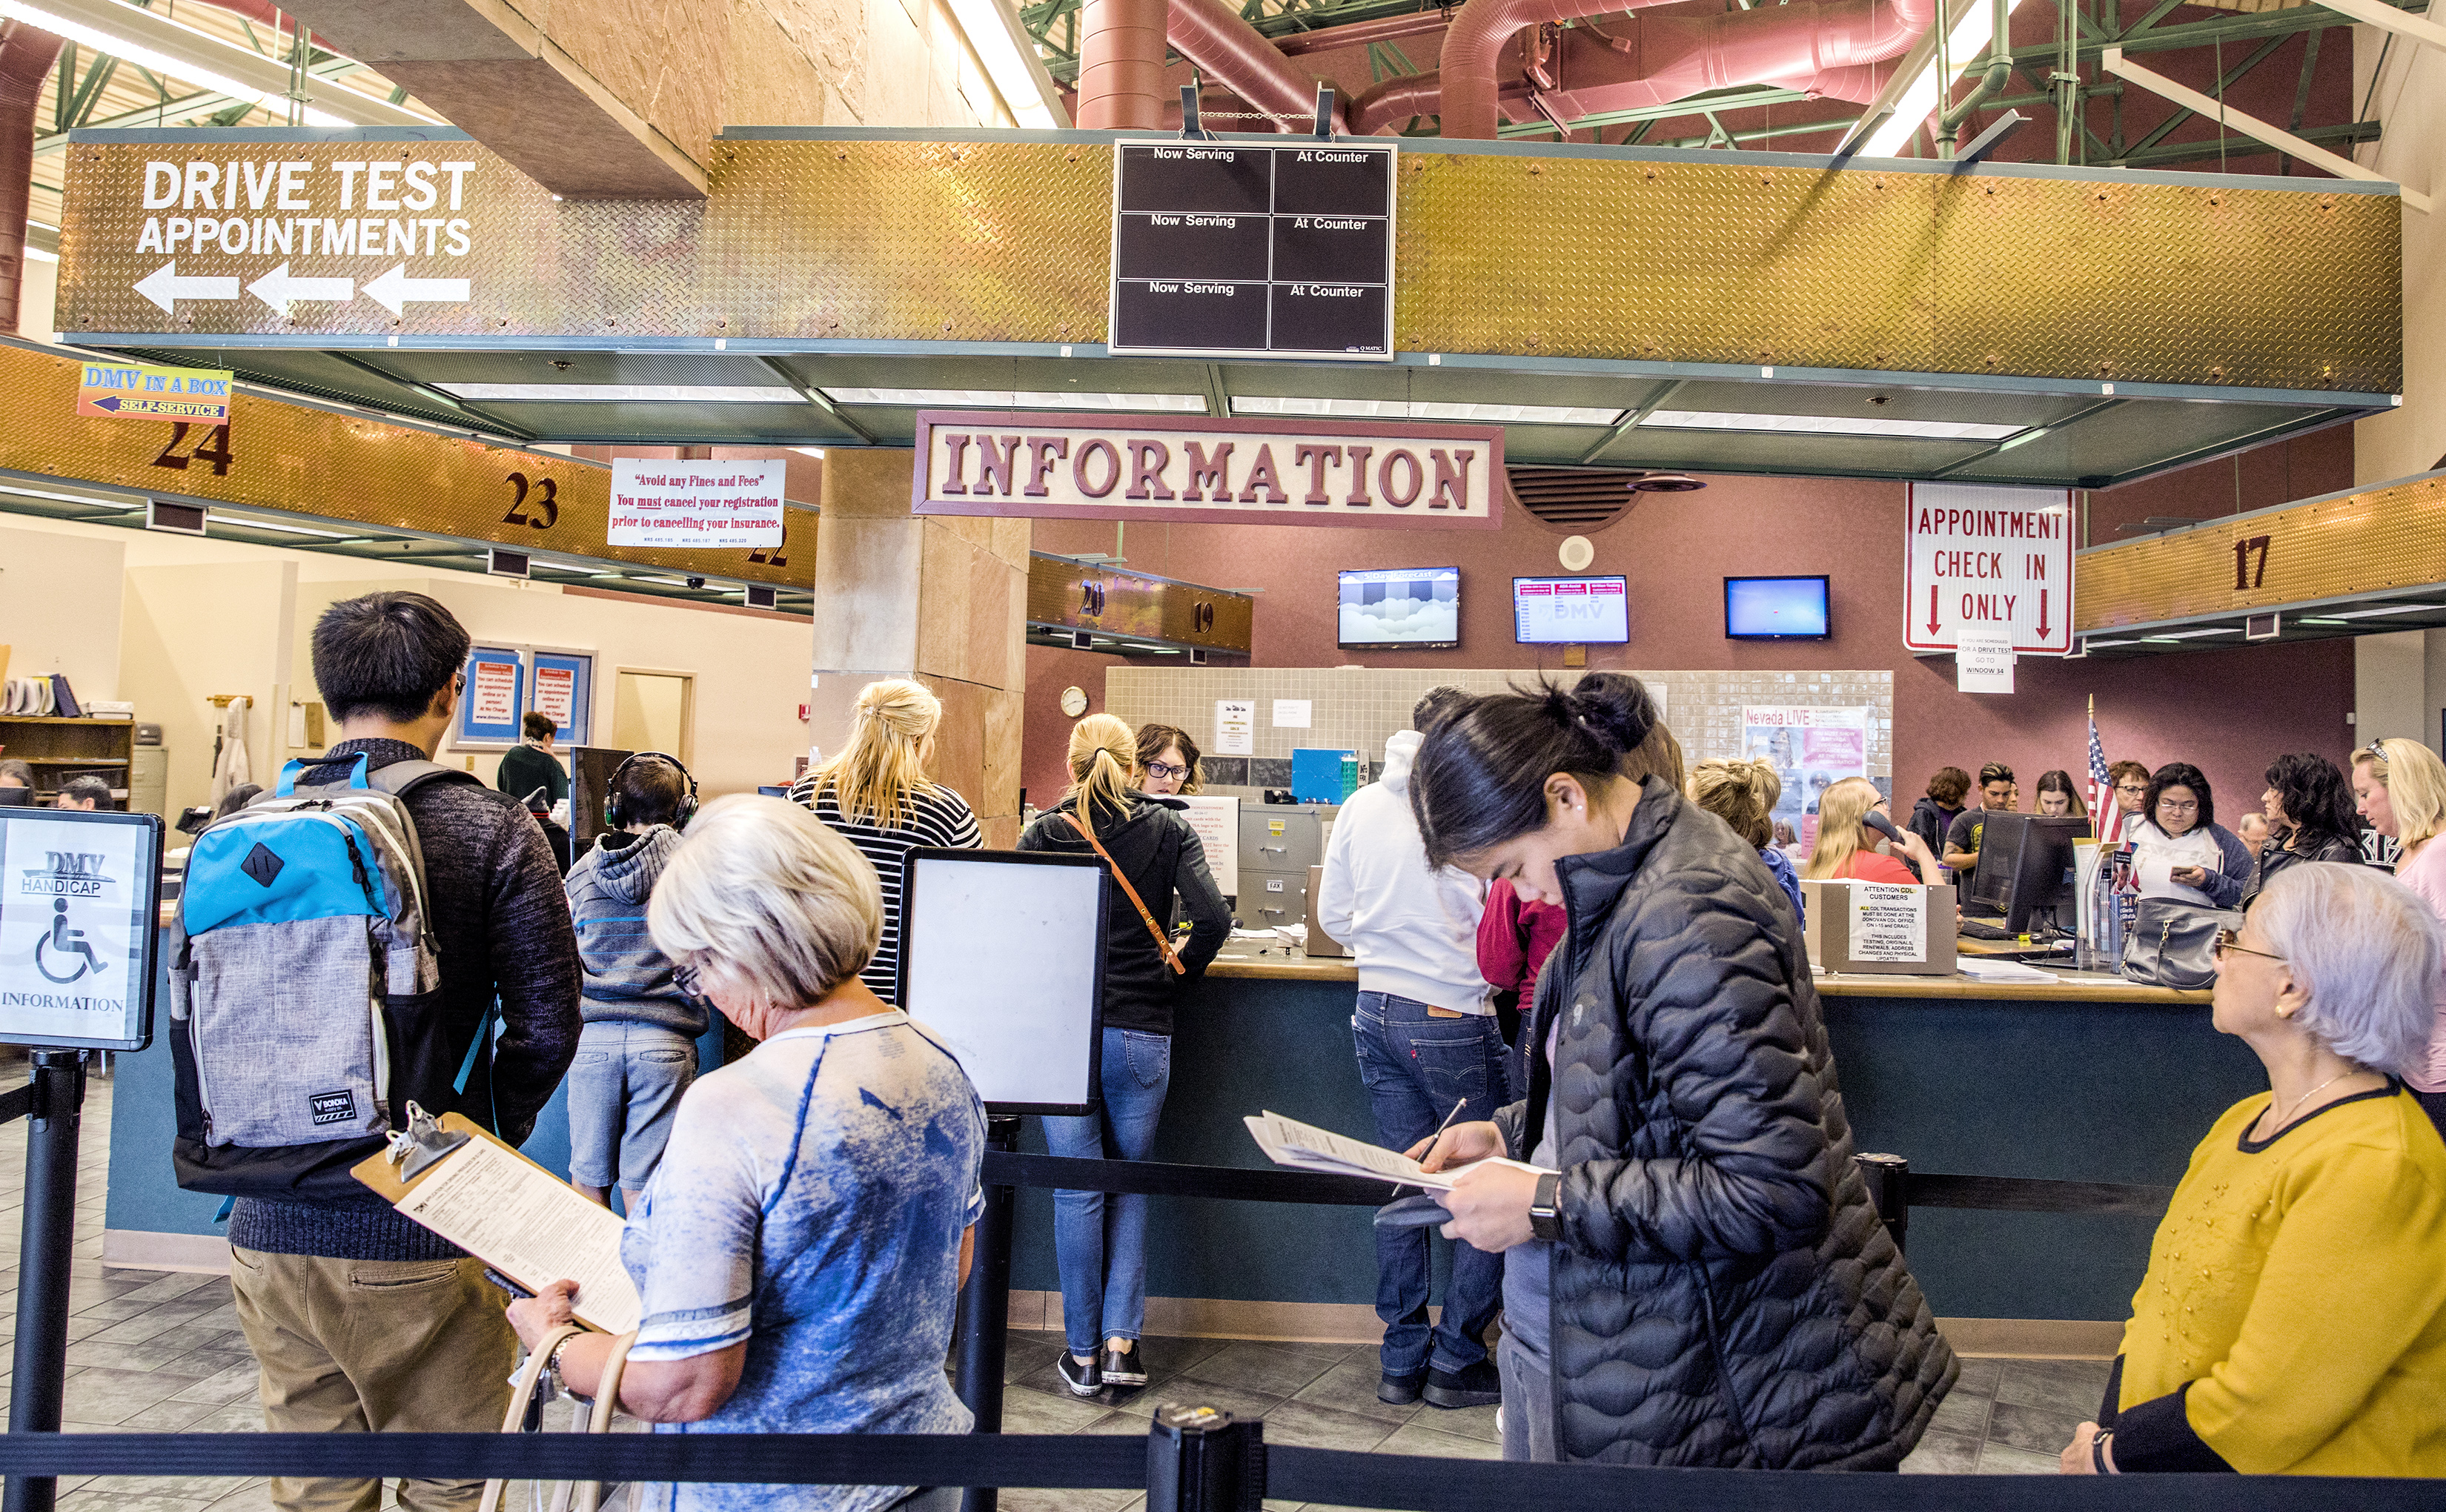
(77,928)
(656,502)
(1243,250)
(130,390)
(1987,558)
(495,699)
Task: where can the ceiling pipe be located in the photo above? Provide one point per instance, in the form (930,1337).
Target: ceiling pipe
(1120,65)
(1361,33)
(1473,46)
(1211,34)
(1820,46)
(26,56)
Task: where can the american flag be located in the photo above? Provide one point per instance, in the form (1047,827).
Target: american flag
(2106,815)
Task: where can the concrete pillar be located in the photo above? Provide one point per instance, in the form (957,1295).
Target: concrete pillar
(940,599)
(2391,687)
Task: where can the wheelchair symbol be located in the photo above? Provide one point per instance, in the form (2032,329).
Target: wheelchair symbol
(63,940)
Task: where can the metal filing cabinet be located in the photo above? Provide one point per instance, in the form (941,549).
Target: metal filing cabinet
(1278,843)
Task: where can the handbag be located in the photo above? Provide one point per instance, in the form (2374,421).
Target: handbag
(581,1495)
(2172,943)
(1162,945)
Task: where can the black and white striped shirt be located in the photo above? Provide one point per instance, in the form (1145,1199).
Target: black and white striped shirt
(933,817)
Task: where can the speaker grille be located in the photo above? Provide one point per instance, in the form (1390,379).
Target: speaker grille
(1578,501)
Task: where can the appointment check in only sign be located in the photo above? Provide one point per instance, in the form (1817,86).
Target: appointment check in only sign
(1987,561)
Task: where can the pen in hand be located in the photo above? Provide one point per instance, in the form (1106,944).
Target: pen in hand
(1437,1135)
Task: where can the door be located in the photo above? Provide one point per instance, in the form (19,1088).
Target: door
(654,712)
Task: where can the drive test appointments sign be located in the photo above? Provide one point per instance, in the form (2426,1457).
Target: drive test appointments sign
(1197,470)
(1988,560)
(77,928)
(1238,250)
(682,502)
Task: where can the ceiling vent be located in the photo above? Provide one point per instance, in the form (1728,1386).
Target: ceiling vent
(1583,501)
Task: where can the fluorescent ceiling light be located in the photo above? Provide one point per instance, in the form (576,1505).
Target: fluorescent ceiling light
(1422,410)
(1010,399)
(2194,635)
(88,500)
(625,393)
(816,452)
(1967,44)
(2091,643)
(1828,425)
(990,32)
(38,254)
(119,46)
(2306,620)
(247,523)
(2391,609)
(2028,435)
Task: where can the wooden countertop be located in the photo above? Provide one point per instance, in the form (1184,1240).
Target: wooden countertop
(1237,965)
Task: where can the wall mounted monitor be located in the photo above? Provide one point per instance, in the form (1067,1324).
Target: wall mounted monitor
(1777,609)
(1570,611)
(1400,609)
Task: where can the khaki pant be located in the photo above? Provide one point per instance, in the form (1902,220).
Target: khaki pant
(374,1347)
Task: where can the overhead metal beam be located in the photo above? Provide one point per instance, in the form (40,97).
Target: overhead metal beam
(170,112)
(151,40)
(2387,18)
(2251,126)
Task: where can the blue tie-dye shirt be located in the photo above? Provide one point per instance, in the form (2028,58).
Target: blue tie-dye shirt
(811,1202)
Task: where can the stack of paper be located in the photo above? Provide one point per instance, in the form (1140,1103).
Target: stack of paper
(1992,968)
(1304,1146)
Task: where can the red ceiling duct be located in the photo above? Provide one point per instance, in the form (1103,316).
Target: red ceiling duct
(27,55)
(1658,56)
(1212,35)
(1120,65)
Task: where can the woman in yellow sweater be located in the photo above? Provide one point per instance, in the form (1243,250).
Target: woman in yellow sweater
(2293,1320)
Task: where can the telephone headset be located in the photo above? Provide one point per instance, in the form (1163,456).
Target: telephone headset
(613,816)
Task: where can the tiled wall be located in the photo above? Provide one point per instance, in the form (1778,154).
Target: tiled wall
(1358,709)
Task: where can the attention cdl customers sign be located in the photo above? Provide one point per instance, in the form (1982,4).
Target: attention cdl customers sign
(1201,470)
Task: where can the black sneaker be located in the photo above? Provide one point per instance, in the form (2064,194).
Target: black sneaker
(1123,1366)
(1400,1391)
(1477,1386)
(1083,1380)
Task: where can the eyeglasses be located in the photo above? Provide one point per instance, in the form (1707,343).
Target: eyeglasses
(690,980)
(2230,940)
(2132,787)
(1166,770)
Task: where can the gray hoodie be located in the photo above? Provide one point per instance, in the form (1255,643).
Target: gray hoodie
(628,979)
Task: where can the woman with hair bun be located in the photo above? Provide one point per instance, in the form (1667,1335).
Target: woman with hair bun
(1744,794)
(1697,1277)
(877,794)
(1099,1241)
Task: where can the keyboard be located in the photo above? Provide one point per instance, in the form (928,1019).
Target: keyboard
(1973,929)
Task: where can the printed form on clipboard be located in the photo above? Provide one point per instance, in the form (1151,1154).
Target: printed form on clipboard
(519,1219)
(1307,1148)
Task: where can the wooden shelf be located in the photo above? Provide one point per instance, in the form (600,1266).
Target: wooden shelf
(73,761)
(61,719)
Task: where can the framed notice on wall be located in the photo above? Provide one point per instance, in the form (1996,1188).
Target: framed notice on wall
(560,686)
(77,928)
(495,699)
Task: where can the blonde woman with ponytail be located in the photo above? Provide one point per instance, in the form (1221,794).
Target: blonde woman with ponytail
(1744,795)
(877,795)
(1100,1241)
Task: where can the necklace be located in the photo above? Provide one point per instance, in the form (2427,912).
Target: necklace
(2331,1081)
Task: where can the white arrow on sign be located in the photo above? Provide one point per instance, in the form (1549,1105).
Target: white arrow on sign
(395,289)
(277,288)
(164,287)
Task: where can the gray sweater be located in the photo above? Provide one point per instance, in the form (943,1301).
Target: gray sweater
(628,979)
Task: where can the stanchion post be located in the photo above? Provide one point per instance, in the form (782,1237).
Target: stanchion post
(1888,1177)
(1200,1459)
(984,1307)
(45,1241)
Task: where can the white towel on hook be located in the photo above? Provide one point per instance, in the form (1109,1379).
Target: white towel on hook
(232,768)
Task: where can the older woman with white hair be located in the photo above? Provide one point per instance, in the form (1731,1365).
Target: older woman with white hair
(2294,1318)
(799,1249)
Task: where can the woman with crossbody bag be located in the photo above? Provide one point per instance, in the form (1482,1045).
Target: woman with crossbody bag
(1100,1241)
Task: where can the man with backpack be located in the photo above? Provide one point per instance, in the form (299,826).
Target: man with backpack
(361,1319)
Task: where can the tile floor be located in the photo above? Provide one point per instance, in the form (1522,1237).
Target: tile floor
(161,1353)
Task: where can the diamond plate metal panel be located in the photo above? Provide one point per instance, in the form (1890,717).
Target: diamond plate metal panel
(2365,542)
(534,265)
(1665,261)
(313,461)
(911,240)
(2176,283)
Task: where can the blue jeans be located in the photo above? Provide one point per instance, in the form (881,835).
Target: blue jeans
(1415,1068)
(1100,1239)
(624,1087)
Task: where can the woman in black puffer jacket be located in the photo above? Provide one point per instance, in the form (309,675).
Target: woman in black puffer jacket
(1706,1282)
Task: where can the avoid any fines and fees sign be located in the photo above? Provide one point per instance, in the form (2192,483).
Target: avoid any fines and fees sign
(1988,559)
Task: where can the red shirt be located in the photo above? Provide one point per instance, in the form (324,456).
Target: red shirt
(1514,938)
(1864,866)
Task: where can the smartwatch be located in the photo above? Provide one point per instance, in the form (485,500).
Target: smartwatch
(1544,1223)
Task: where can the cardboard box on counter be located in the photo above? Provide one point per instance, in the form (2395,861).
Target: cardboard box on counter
(1879,928)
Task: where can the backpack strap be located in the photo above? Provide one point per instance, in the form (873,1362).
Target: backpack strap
(400,779)
(289,773)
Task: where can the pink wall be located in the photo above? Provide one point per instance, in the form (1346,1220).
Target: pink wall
(2229,712)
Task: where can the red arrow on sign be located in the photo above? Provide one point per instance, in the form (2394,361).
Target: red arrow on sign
(1931,608)
(2042,614)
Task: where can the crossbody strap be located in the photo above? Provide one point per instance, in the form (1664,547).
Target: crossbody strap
(1163,946)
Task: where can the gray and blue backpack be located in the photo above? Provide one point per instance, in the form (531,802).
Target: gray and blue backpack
(305,986)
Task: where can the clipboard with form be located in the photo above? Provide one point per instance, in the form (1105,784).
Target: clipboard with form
(519,1219)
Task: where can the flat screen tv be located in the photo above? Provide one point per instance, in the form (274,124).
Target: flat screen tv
(1401,609)
(1570,611)
(1776,609)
